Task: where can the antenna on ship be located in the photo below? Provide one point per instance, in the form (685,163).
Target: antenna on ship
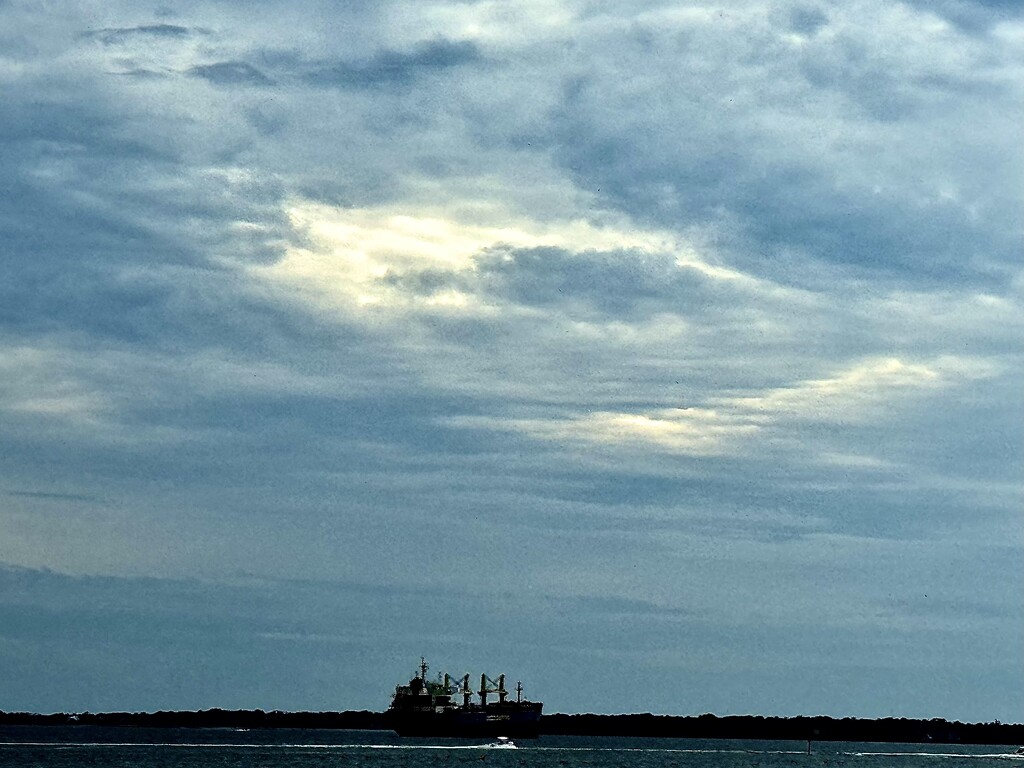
(423,669)
(519,691)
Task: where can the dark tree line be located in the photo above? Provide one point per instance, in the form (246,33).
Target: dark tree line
(208,718)
(890,730)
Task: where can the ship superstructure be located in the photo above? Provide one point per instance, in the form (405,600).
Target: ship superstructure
(445,707)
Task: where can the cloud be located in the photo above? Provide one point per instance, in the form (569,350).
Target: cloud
(688,431)
(388,68)
(974,16)
(231,73)
(740,424)
(807,20)
(382,256)
(705,317)
(846,396)
(674,160)
(36,382)
(118,35)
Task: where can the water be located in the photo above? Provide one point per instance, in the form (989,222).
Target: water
(94,747)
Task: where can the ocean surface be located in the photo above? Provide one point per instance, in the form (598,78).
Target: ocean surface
(72,747)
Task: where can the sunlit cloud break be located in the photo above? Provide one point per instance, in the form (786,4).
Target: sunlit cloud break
(348,255)
(738,425)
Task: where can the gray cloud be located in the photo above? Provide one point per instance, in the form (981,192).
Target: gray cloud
(607,284)
(382,68)
(396,288)
(975,16)
(231,73)
(807,19)
(679,145)
(116,35)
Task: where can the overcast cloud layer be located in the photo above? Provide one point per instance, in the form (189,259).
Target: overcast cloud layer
(664,356)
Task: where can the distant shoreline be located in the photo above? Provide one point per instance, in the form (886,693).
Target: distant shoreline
(886,730)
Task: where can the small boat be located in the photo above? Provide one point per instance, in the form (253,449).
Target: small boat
(503,742)
(1020,751)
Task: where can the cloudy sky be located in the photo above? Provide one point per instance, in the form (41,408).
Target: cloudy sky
(665,356)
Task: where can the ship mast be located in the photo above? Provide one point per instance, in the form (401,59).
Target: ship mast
(423,669)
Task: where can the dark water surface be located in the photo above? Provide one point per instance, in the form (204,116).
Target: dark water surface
(71,747)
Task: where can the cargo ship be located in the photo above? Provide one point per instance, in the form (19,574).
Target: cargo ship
(432,708)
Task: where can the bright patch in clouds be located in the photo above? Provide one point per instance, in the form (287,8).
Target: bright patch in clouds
(37,381)
(499,23)
(693,431)
(348,255)
(736,425)
(845,394)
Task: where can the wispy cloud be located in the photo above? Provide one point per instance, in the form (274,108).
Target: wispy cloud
(115,35)
(863,392)
(230,73)
(395,67)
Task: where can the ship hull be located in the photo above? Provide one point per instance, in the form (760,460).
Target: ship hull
(515,725)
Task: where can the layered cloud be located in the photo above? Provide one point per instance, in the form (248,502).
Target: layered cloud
(705,315)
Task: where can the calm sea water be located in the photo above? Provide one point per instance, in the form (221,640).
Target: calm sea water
(72,747)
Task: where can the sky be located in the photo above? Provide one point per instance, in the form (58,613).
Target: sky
(664,356)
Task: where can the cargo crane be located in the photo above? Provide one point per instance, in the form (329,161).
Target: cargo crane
(465,690)
(496,687)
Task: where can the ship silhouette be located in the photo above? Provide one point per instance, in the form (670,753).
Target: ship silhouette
(431,708)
